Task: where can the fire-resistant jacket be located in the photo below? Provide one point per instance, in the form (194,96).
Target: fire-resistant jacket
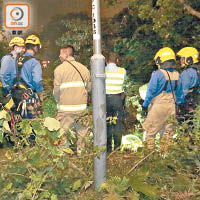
(69,90)
(115,77)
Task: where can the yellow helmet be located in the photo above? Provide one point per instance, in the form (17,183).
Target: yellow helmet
(163,55)
(190,54)
(16,41)
(32,39)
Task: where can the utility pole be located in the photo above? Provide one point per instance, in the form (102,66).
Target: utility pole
(98,98)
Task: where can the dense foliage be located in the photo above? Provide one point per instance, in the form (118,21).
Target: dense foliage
(137,33)
(51,169)
(69,29)
(146,26)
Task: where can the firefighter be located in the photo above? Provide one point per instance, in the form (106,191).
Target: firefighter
(189,79)
(115,98)
(8,64)
(71,86)
(23,98)
(31,72)
(164,90)
(27,89)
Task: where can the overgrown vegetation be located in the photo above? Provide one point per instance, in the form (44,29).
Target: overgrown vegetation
(51,169)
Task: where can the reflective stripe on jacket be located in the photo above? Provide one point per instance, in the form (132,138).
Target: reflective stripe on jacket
(115,80)
(72,84)
(69,89)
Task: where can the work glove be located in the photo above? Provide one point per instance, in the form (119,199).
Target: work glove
(144,111)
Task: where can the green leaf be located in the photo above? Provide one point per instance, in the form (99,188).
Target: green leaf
(52,124)
(54,197)
(3,114)
(76,185)
(26,127)
(139,185)
(45,195)
(6,126)
(181,183)
(37,127)
(1,135)
(60,165)
(9,186)
(67,150)
(28,194)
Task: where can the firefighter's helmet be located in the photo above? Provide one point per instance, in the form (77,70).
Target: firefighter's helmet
(16,41)
(190,55)
(164,55)
(32,39)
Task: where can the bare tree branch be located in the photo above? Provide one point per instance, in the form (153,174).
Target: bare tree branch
(189,9)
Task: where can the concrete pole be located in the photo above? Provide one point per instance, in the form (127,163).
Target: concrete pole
(98,98)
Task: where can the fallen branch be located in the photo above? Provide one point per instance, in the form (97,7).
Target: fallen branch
(76,168)
(113,152)
(15,174)
(140,162)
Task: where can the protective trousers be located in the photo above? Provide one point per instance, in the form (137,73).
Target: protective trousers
(115,128)
(162,108)
(67,121)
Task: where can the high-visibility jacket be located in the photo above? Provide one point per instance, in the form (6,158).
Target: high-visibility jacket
(115,81)
(69,90)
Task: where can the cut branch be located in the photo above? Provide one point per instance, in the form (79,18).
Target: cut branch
(189,9)
(140,162)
